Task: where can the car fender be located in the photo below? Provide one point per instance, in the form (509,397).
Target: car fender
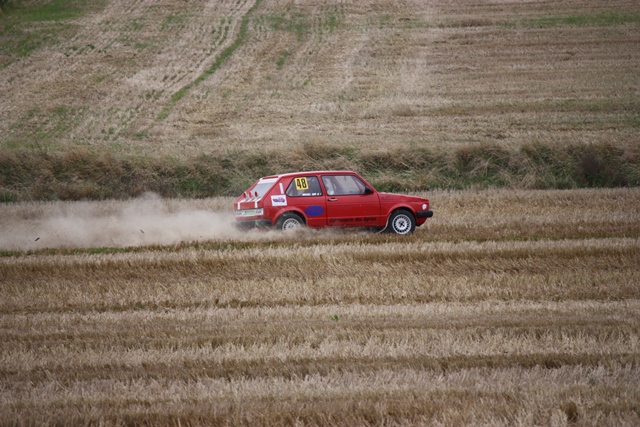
(280,211)
(400,205)
(394,208)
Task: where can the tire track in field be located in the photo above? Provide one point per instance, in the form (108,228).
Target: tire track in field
(238,26)
(314,37)
(186,45)
(199,58)
(122,64)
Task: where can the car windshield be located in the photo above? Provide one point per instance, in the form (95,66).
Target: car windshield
(262,187)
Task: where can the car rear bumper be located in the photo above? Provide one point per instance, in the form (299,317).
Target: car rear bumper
(424,214)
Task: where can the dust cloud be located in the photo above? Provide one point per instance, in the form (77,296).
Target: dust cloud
(148,220)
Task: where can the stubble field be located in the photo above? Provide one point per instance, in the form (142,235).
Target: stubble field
(510,307)
(507,308)
(112,98)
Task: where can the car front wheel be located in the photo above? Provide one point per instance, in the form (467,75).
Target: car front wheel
(401,222)
(289,221)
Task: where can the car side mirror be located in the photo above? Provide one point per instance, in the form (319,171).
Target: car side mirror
(368,190)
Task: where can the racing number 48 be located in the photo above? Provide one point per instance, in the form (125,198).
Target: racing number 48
(302,184)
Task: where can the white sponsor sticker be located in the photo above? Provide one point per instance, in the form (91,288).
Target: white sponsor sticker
(249,212)
(279,200)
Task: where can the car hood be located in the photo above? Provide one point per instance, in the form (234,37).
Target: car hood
(403,197)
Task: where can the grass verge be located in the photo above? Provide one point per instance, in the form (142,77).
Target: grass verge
(82,174)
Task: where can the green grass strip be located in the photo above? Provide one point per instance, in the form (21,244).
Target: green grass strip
(226,53)
(604,19)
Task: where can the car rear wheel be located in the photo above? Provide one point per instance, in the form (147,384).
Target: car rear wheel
(289,221)
(401,222)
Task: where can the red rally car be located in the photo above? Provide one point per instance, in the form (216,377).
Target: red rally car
(327,199)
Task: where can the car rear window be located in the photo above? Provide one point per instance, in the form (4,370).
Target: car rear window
(262,187)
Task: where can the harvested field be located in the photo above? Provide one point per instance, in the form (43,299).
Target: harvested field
(507,308)
(189,98)
(161,78)
(510,307)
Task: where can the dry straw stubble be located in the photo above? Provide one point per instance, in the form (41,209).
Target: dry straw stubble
(339,328)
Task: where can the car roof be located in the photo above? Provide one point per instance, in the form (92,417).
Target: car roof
(325,172)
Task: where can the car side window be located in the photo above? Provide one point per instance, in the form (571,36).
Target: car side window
(329,185)
(304,186)
(341,185)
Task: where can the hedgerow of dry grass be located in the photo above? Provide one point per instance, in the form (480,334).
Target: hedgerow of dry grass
(82,174)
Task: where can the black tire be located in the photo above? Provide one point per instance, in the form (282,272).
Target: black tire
(401,222)
(289,221)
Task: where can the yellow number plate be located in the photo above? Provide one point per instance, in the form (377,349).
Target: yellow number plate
(302,184)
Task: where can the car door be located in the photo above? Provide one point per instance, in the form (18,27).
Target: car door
(350,203)
(305,193)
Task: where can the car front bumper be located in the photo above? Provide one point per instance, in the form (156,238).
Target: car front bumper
(424,214)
